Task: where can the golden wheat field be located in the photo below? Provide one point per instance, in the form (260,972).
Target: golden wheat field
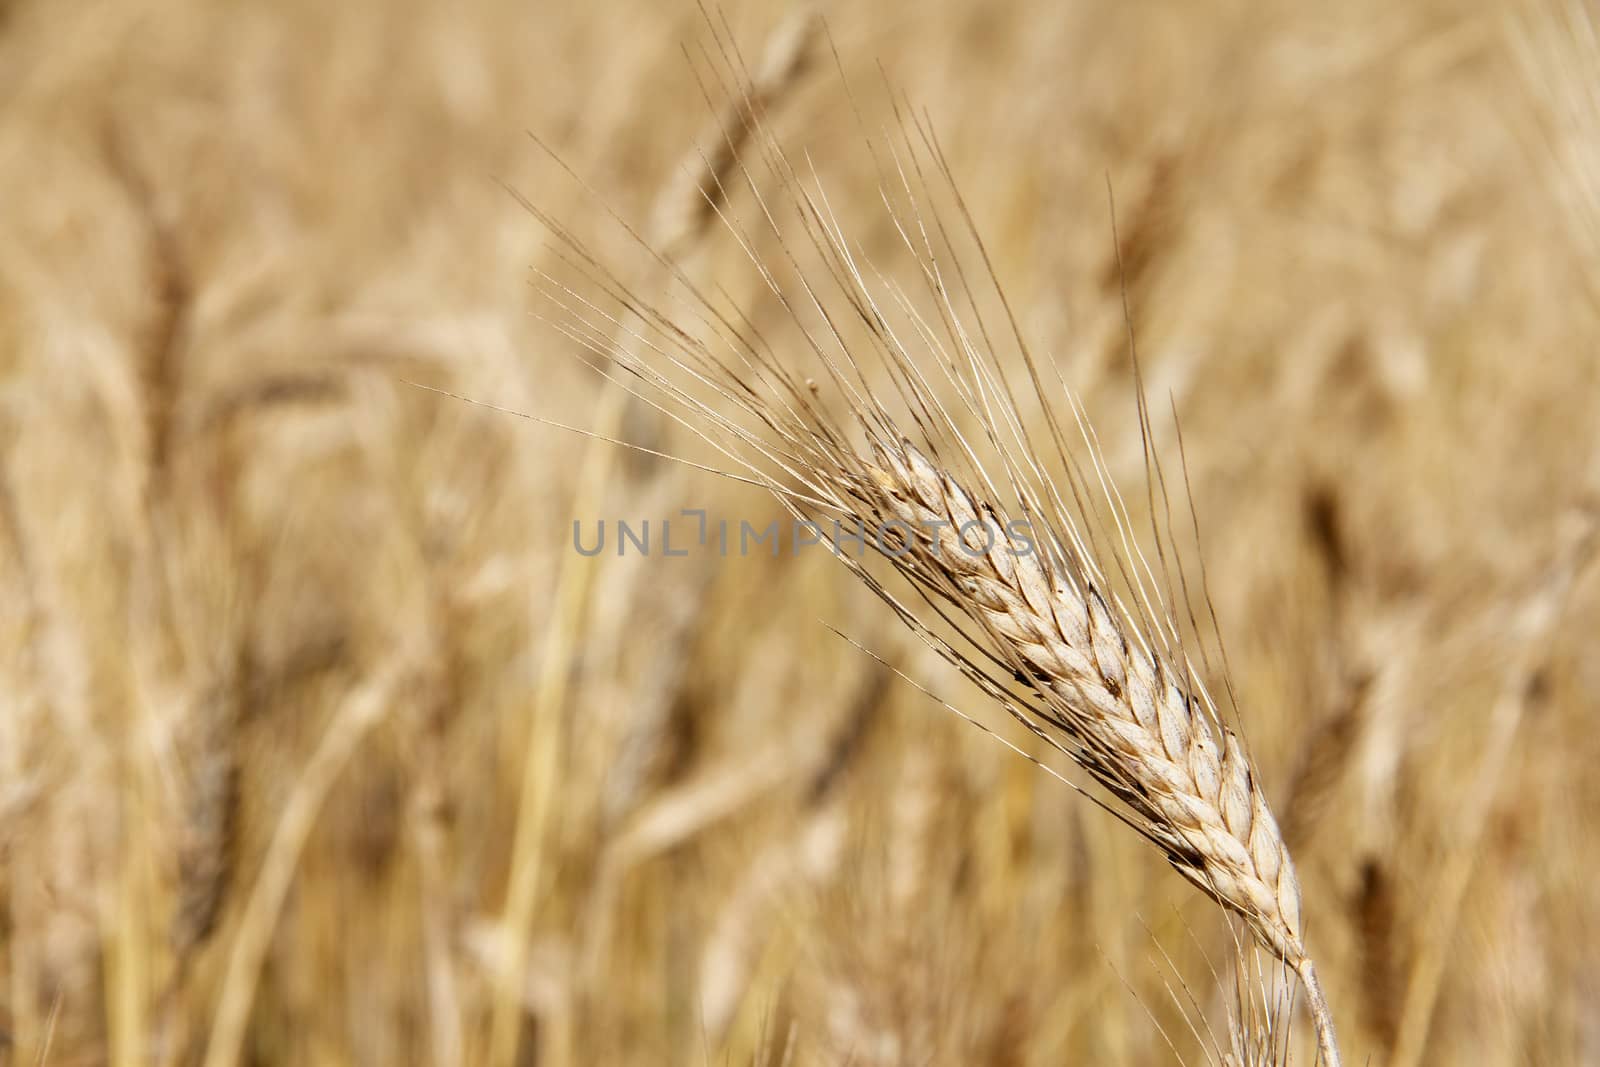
(325,741)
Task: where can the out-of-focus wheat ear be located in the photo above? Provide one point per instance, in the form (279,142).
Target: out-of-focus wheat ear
(1324,761)
(689,204)
(692,201)
(162,348)
(430,827)
(1378,932)
(207,846)
(647,754)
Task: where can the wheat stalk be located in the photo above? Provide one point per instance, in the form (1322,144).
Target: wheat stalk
(1040,630)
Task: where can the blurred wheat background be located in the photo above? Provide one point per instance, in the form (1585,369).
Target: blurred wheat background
(321,745)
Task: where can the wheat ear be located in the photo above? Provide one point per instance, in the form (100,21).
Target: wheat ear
(1127,715)
(1040,631)
(1136,729)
